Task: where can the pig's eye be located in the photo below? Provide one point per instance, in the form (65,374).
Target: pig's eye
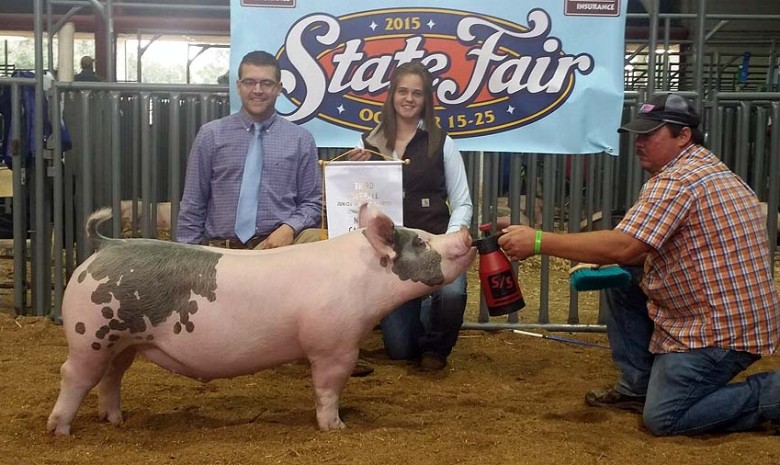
(418,242)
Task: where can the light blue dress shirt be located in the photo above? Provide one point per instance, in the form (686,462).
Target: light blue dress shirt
(290,190)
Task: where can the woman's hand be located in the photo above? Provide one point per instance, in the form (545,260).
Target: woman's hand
(358,154)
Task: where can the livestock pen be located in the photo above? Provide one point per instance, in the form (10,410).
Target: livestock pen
(504,398)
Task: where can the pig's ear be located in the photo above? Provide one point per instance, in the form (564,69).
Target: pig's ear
(366,213)
(379,232)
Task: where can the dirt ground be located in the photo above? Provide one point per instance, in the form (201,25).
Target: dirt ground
(504,398)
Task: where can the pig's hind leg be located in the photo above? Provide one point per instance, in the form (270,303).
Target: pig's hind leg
(329,375)
(109,388)
(78,375)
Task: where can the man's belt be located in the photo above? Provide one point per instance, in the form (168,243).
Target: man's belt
(237,244)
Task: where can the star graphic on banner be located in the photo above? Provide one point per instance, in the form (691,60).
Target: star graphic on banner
(340,108)
(372,26)
(510,110)
(431,24)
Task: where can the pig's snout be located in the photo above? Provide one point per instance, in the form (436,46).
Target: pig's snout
(459,254)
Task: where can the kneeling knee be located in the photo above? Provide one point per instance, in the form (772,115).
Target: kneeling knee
(656,424)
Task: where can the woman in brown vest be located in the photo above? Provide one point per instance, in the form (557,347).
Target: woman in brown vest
(436,199)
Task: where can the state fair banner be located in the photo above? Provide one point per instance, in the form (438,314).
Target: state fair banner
(349,184)
(509,75)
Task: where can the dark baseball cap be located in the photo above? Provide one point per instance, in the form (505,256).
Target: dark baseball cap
(662,109)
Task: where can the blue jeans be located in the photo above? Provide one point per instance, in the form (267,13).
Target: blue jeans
(629,329)
(414,329)
(687,392)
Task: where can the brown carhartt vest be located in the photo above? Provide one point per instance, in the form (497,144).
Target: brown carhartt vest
(425,189)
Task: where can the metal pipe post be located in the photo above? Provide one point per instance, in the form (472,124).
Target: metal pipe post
(116,165)
(59,201)
(110,42)
(773,199)
(20,218)
(698,65)
(653,45)
(87,186)
(174,160)
(41,272)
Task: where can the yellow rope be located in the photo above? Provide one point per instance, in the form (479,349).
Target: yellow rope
(358,148)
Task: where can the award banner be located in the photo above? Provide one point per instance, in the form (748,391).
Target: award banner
(509,75)
(349,184)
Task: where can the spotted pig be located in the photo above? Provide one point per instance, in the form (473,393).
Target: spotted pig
(209,313)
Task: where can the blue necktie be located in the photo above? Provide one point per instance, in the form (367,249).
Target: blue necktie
(246,213)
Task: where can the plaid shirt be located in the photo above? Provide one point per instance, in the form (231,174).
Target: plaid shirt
(708,278)
(291,186)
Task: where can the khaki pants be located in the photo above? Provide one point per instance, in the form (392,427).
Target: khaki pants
(305,236)
(310,235)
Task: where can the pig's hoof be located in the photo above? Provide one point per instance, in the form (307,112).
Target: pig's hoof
(332,425)
(58,430)
(115,418)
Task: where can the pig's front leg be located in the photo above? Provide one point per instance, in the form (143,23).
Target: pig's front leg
(329,375)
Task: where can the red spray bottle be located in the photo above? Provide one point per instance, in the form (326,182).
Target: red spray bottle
(499,284)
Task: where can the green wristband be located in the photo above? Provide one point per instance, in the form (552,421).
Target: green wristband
(538,242)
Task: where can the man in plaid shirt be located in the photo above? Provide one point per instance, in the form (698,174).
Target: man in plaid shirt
(706,307)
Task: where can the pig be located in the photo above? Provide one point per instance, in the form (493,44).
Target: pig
(597,221)
(209,313)
(163,215)
(502,221)
(538,207)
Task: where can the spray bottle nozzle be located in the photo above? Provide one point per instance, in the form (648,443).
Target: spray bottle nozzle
(487,244)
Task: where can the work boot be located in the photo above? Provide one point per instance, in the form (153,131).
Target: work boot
(611,398)
(432,362)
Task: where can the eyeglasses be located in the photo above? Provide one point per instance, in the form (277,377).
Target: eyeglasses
(265,84)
